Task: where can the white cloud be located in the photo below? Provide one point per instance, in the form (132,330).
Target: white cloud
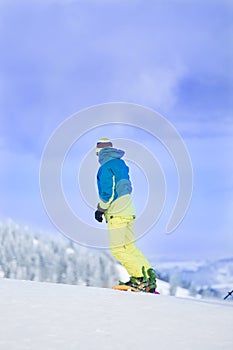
(157,86)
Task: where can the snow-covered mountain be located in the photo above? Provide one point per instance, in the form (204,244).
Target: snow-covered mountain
(28,255)
(48,316)
(207,278)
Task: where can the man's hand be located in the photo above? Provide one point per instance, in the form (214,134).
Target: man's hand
(99,215)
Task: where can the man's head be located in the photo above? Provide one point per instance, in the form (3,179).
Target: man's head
(101,143)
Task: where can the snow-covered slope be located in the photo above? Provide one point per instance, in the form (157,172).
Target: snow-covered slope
(163,287)
(28,255)
(37,316)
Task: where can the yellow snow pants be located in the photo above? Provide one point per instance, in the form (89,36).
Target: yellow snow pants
(122,246)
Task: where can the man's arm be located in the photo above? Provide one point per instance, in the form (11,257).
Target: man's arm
(106,186)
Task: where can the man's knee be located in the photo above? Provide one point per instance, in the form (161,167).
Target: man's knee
(117,252)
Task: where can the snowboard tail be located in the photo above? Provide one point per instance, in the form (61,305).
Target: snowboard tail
(124,287)
(146,283)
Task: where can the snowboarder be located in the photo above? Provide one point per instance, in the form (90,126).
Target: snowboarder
(115,204)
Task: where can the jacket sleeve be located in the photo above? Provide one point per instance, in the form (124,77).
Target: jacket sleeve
(106,184)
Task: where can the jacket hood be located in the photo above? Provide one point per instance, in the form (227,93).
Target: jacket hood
(109,153)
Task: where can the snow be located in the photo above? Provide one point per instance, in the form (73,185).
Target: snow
(206,278)
(27,255)
(162,287)
(48,316)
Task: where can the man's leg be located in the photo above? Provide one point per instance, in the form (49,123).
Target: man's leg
(122,246)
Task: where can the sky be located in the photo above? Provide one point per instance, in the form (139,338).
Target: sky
(59,57)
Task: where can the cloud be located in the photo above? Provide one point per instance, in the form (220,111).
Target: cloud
(155,87)
(60,56)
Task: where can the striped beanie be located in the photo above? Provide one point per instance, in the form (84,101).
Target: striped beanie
(101,143)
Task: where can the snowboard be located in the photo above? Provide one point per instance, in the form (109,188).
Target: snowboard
(126,288)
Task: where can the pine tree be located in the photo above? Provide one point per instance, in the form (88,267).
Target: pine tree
(32,256)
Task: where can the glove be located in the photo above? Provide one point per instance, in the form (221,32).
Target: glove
(99,215)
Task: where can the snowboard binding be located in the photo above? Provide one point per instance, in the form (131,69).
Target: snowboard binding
(143,284)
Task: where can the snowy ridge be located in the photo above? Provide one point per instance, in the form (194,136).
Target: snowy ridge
(203,278)
(48,316)
(28,255)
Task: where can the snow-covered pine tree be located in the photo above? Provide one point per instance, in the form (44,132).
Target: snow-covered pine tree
(28,255)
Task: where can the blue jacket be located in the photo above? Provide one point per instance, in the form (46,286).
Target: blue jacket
(113,176)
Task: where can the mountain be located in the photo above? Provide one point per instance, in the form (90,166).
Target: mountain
(38,256)
(206,278)
(29,255)
(49,316)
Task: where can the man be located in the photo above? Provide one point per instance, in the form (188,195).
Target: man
(115,204)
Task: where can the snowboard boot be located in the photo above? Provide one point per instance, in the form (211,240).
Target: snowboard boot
(151,288)
(149,284)
(135,282)
(143,283)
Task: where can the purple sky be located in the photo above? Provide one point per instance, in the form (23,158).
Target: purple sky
(58,57)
